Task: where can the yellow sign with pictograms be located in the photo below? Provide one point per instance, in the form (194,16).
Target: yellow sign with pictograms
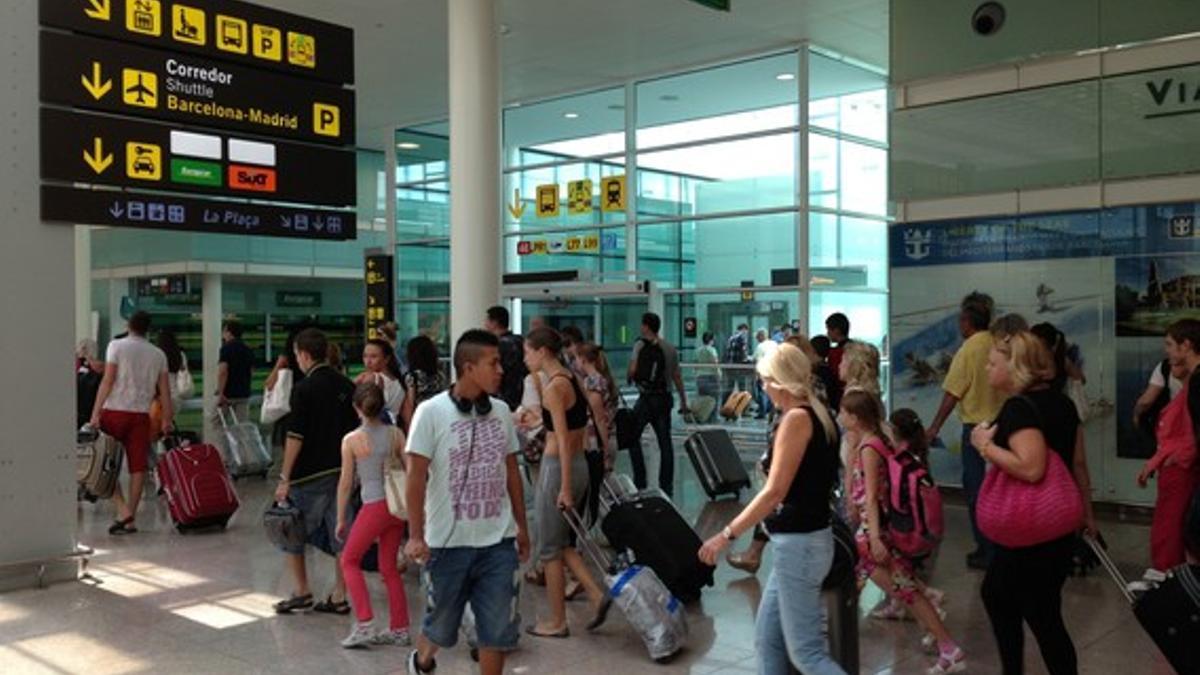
(612,194)
(574,244)
(579,196)
(327,120)
(189,24)
(139,88)
(547,201)
(541,247)
(591,243)
(143,16)
(268,43)
(143,161)
(302,50)
(233,35)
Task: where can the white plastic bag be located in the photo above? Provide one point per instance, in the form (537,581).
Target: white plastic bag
(277,399)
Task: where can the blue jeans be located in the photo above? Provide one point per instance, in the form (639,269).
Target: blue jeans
(790,629)
(654,409)
(973,470)
(488,579)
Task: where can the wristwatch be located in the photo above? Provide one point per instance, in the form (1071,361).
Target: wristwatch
(728,533)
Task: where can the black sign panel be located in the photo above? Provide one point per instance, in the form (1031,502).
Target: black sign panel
(224,29)
(164,286)
(166,212)
(85,148)
(380,282)
(104,75)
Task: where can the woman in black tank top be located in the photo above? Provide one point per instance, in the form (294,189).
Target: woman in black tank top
(561,484)
(801,469)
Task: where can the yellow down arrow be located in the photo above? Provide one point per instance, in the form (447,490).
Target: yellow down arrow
(97,86)
(101,10)
(97,159)
(517,208)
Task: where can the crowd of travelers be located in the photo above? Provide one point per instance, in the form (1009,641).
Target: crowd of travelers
(403,462)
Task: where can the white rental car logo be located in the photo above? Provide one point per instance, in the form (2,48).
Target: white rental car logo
(916,243)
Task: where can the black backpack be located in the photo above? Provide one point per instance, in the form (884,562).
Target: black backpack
(1148,420)
(737,351)
(87,387)
(512,360)
(651,371)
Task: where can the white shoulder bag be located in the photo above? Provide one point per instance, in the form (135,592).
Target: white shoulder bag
(394,479)
(277,401)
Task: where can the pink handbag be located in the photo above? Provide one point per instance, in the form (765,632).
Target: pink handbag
(1015,514)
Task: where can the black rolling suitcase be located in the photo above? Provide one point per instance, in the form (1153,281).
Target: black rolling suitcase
(650,527)
(717,463)
(1167,612)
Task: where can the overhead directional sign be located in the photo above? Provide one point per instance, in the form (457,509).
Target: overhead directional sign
(86,148)
(169,212)
(379,278)
(86,72)
(225,29)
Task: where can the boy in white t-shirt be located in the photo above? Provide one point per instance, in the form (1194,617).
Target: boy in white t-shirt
(467,509)
(135,373)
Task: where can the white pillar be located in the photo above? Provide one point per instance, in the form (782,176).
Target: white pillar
(83,282)
(475,171)
(37,412)
(211,316)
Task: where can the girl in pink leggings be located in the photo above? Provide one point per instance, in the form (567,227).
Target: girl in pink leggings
(366,451)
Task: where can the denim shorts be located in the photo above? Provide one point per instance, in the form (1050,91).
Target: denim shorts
(317,501)
(489,579)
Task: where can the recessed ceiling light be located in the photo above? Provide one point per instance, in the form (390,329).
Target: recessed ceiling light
(571,115)
(668,98)
(616,106)
(784,77)
(408,145)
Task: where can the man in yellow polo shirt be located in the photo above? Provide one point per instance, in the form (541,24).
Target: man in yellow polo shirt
(966,387)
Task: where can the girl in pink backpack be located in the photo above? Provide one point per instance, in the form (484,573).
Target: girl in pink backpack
(879,560)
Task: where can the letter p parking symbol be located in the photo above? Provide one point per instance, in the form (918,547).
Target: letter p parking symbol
(327,120)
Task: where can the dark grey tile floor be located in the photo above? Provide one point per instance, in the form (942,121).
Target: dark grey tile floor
(165,603)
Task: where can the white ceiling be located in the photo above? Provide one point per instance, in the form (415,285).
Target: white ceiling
(560,46)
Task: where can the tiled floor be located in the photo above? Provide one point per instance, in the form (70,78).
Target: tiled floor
(161,602)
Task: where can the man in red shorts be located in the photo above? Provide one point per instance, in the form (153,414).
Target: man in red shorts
(135,372)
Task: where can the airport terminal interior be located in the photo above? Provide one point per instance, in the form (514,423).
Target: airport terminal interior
(872,182)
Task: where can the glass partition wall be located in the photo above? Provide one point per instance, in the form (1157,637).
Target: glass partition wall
(750,192)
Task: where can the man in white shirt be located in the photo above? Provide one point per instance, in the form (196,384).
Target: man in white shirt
(135,373)
(466,509)
(765,348)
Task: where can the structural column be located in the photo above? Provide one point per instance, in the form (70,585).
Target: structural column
(83,283)
(475,171)
(211,316)
(37,275)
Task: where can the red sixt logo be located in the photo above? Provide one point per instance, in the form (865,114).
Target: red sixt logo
(251,178)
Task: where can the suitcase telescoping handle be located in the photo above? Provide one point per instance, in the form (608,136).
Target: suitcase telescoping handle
(585,542)
(222,411)
(1110,567)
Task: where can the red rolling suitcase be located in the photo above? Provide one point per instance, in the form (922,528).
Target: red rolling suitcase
(197,487)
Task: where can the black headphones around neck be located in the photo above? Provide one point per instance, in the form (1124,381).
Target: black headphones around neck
(481,405)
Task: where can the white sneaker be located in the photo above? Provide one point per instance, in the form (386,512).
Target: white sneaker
(929,644)
(362,635)
(395,638)
(949,662)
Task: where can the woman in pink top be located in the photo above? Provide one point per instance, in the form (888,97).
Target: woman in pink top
(1177,477)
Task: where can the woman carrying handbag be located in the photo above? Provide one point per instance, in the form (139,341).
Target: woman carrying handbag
(1029,505)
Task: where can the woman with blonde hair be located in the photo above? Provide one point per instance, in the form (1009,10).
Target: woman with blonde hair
(794,505)
(1024,581)
(750,559)
(859,368)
